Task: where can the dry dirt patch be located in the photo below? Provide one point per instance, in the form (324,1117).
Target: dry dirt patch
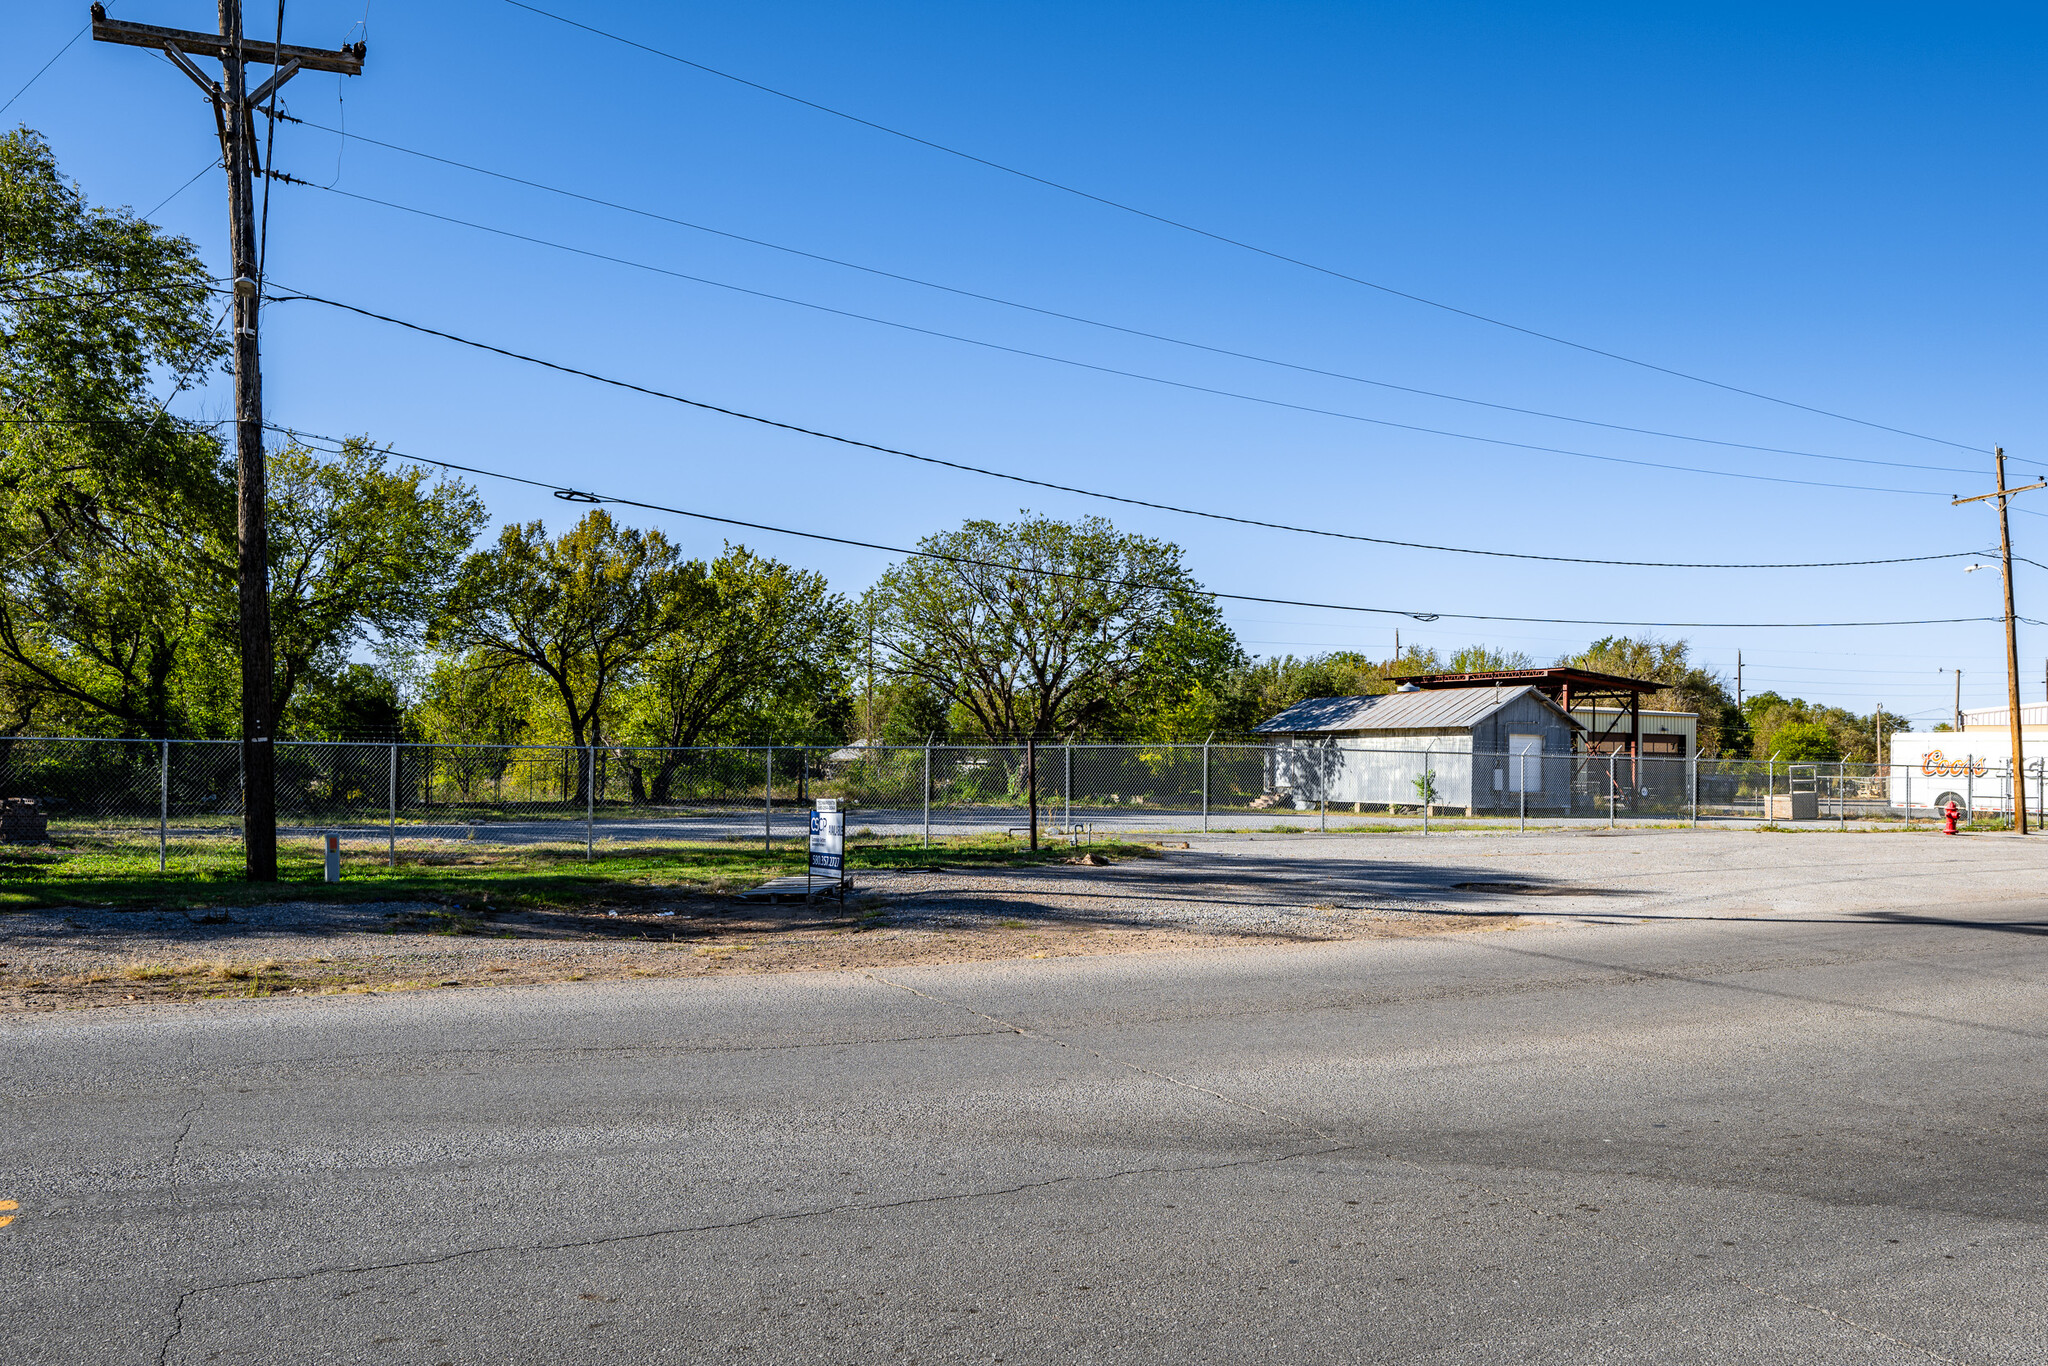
(86,958)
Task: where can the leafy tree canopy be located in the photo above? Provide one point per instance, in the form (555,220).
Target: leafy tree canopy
(1037,626)
(580,611)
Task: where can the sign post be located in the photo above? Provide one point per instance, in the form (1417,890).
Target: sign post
(828,847)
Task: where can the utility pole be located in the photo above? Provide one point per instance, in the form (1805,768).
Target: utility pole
(234,115)
(2012,647)
(1738,680)
(1959,700)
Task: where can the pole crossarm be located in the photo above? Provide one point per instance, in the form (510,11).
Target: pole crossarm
(347,61)
(1997,493)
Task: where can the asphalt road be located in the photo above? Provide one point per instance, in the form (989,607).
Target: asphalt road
(1799,1139)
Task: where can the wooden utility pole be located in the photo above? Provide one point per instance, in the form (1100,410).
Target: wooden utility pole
(1738,680)
(1959,700)
(234,114)
(2012,646)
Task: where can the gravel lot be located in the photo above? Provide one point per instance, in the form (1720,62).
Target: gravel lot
(1204,890)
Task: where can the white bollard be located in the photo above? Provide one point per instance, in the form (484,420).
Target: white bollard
(333,857)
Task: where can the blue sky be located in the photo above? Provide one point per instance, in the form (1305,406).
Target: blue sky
(1837,205)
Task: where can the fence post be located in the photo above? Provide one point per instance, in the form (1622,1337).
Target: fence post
(1613,791)
(391,846)
(163,803)
(589,801)
(768,799)
(1841,794)
(1067,793)
(1770,787)
(1205,787)
(1695,791)
(927,791)
(1428,788)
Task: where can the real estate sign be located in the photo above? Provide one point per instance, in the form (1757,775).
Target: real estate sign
(828,841)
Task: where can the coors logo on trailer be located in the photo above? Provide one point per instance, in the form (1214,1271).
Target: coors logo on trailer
(1935,766)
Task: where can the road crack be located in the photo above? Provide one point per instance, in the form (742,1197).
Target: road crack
(751,1221)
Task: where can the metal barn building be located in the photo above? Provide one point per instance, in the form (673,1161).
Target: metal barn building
(1492,741)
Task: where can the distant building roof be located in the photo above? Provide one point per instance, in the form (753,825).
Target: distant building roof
(2033,714)
(1440,709)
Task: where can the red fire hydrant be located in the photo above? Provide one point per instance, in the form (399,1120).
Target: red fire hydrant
(1949,814)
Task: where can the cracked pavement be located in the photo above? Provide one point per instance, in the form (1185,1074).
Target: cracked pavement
(1808,1137)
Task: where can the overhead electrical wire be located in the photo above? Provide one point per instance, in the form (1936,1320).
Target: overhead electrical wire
(44,67)
(1045,356)
(1058,314)
(587,496)
(1237,242)
(1068,488)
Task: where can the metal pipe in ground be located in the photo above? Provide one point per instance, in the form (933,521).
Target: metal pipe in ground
(163,804)
(391,843)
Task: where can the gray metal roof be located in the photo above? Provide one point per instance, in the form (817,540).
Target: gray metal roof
(1430,709)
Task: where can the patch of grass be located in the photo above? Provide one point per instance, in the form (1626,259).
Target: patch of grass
(472,882)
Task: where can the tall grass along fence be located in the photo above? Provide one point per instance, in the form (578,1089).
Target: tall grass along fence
(181,799)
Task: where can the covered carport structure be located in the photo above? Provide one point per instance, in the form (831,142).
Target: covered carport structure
(1570,687)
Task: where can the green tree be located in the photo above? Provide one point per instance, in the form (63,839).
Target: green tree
(1032,627)
(1685,685)
(1181,690)
(1271,686)
(99,489)
(1804,742)
(1777,725)
(1476,659)
(357,549)
(581,611)
(751,635)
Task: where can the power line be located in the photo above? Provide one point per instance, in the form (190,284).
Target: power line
(621,383)
(1086,493)
(182,188)
(44,67)
(1055,313)
(585,496)
(1239,242)
(1121,373)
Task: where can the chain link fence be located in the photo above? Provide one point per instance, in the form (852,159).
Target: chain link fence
(172,806)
